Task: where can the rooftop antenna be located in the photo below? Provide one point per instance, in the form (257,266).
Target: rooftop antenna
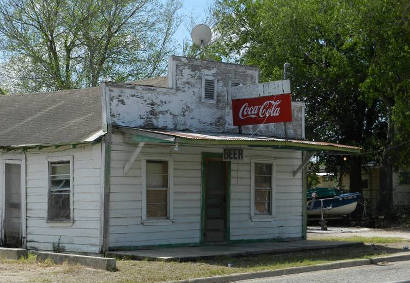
(201,35)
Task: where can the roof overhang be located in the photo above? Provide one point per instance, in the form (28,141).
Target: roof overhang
(191,138)
(92,138)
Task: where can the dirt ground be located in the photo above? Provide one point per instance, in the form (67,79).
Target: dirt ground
(315,233)
(133,271)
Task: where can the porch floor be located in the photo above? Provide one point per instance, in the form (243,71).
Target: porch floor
(236,249)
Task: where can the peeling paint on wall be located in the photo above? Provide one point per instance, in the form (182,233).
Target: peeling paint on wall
(183,108)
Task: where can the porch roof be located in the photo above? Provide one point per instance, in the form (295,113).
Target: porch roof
(184,137)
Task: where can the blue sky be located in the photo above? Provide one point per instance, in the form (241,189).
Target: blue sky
(192,10)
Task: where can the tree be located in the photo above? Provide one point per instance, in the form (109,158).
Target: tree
(386,28)
(61,44)
(337,70)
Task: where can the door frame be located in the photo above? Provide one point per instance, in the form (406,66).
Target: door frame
(23,211)
(211,155)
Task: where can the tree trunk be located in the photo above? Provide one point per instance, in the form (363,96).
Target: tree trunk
(355,177)
(356,174)
(385,201)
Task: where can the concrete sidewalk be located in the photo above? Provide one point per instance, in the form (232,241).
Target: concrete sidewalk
(237,249)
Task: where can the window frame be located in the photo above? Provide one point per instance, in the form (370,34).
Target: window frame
(263,217)
(157,221)
(404,178)
(209,77)
(50,160)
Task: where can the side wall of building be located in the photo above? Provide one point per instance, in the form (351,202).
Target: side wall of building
(83,234)
(401,188)
(127,229)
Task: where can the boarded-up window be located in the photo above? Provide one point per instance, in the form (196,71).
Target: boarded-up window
(157,189)
(59,191)
(263,188)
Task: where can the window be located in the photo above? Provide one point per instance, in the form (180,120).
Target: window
(60,190)
(262,190)
(157,189)
(209,88)
(404,178)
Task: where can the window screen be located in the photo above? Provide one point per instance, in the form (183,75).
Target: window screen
(59,191)
(157,189)
(263,188)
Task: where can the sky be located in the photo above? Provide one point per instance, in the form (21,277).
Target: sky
(192,10)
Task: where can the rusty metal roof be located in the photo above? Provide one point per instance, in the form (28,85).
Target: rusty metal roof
(184,137)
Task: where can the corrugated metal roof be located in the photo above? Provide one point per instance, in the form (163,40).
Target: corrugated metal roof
(54,118)
(237,139)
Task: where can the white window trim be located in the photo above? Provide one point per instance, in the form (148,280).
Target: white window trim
(255,217)
(209,77)
(170,219)
(68,222)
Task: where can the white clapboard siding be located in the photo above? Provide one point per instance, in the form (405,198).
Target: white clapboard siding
(125,224)
(287,222)
(125,227)
(84,233)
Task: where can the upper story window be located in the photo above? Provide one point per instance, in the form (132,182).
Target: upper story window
(209,89)
(60,190)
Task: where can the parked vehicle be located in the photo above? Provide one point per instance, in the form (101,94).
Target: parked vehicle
(342,204)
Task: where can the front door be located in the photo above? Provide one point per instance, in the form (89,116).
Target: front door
(215,218)
(12,201)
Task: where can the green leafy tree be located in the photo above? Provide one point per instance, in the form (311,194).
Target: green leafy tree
(337,69)
(60,44)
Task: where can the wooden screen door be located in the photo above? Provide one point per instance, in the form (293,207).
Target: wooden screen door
(215,220)
(12,200)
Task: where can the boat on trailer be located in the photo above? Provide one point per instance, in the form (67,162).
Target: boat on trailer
(338,205)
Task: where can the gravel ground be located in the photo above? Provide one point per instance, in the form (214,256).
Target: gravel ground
(314,232)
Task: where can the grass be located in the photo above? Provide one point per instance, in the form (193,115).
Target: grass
(157,271)
(367,240)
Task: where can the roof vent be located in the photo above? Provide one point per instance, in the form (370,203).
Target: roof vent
(209,89)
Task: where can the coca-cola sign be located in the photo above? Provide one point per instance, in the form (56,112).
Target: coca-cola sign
(262,110)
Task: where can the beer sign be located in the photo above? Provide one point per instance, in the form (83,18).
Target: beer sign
(262,110)
(233,154)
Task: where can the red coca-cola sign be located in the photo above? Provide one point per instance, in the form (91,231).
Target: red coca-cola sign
(262,110)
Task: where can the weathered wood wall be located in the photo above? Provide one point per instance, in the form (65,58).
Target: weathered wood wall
(83,234)
(125,223)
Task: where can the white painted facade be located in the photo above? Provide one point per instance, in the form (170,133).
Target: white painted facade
(128,229)
(182,107)
(83,233)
